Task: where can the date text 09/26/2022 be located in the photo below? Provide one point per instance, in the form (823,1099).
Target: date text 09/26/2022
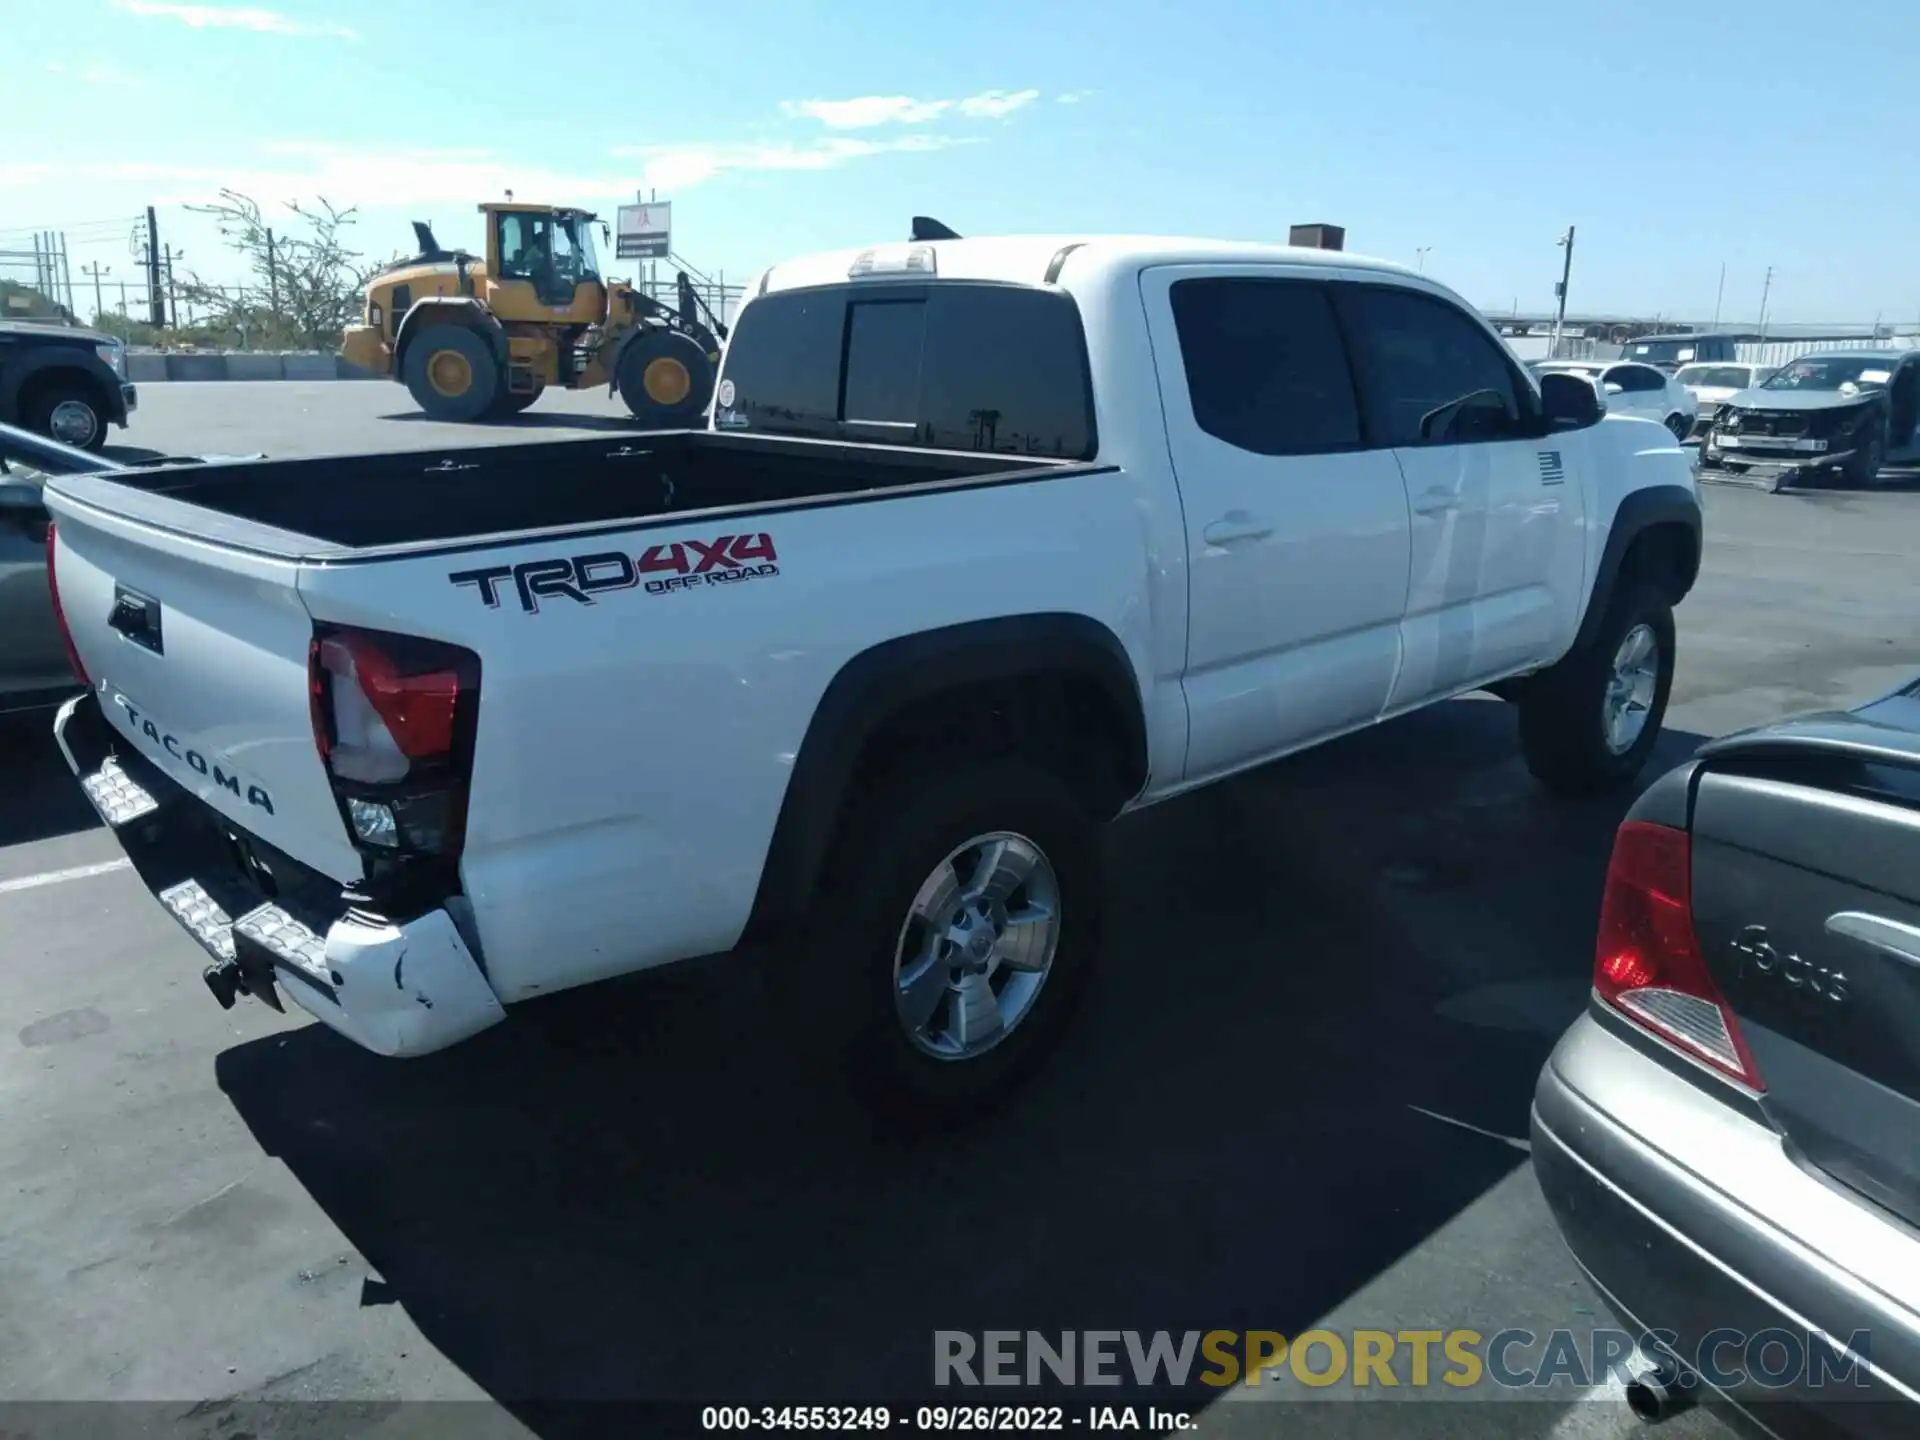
(958,1419)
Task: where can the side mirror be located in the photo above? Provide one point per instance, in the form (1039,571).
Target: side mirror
(1613,389)
(1568,402)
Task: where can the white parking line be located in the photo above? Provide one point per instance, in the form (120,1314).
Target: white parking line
(55,877)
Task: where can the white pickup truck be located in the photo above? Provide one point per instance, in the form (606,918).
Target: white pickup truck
(990,540)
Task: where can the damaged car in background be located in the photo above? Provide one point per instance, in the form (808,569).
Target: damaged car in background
(1840,413)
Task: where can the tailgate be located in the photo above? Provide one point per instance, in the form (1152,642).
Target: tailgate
(199,655)
(1806,894)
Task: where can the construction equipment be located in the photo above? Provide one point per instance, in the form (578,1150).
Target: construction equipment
(478,341)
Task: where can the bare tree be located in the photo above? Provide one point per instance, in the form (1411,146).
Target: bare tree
(304,284)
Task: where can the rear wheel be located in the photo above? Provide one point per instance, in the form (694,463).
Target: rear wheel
(452,374)
(68,411)
(958,922)
(1590,722)
(1679,425)
(666,379)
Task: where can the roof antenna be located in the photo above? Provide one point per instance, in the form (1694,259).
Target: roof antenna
(925,227)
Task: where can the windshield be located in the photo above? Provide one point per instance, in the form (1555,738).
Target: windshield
(1814,373)
(1715,377)
(578,230)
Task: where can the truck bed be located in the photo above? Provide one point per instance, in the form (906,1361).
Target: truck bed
(332,505)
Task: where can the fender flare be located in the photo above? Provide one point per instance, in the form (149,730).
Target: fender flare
(1639,512)
(20,370)
(879,683)
(465,311)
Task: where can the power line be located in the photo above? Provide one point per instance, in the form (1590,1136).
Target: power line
(72,228)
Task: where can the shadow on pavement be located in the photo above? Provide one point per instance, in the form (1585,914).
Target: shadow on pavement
(42,797)
(653,1190)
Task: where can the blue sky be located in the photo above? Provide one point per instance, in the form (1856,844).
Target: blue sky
(1674,140)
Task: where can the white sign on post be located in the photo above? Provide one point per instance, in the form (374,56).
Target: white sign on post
(642,231)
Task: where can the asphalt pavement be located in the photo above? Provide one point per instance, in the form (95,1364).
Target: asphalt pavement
(1297,1095)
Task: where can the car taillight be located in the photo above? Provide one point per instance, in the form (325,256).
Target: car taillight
(60,615)
(393,720)
(1647,963)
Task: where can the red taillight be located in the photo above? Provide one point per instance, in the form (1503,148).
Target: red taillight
(393,719)
(1647,963)
(416,707)
(60,615)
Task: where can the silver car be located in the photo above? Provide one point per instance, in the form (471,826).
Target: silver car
(1729,1138)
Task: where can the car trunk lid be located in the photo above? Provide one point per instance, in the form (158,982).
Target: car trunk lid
(1806,902)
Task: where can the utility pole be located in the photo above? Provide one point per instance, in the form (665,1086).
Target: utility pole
(1420,257)
(273,275)
(1719,295)
(1560,290)
(96,270)
(1765,290)
(156,297)
(39,266)
(66,275)
(172,302)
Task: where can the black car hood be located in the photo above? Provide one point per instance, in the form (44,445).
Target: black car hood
(1800,399)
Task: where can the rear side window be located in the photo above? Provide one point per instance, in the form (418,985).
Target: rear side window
(1633,379)
(1266,368)
(953,366)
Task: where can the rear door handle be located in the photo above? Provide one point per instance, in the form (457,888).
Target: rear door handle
(1437,501)
(1237,525)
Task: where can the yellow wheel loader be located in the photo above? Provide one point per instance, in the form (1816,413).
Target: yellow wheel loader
(478,340)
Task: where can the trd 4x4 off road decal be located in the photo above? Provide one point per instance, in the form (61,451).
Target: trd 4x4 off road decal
(659,570)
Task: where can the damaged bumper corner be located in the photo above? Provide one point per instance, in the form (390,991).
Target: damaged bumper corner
(397,987)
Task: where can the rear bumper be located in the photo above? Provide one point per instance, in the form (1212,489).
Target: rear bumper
(1695,1223)
(395,987)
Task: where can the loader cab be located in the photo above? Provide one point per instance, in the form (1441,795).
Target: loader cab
(543,265)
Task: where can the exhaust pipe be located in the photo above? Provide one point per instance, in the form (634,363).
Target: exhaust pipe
(1656,1388)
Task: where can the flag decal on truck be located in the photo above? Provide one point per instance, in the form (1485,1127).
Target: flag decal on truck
(1552,472)
(659,570)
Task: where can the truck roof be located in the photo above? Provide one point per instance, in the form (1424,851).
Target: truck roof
(1026,259)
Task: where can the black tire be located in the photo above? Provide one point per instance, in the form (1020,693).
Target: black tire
(56,405)
(427,382)
(889,845)
(1679,426)
(1862,472)
(1563,732)
(666,380)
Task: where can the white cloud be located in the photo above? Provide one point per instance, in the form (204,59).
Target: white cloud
(274,171)
(865,112)
(996,104)
(94,72)
(676,167)
(868,110)
(228,17)
(1072,97)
